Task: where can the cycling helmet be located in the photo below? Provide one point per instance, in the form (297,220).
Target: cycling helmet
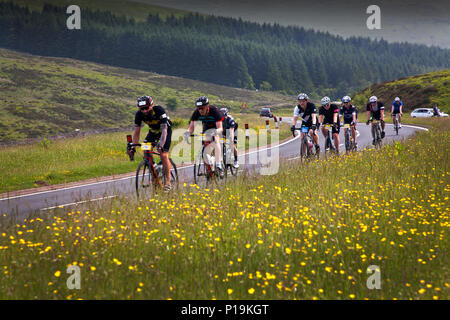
(397,99)
(144,101)
(325,101)
(302,96)
(346,99)
(224,111)
(373,99)
(202,101)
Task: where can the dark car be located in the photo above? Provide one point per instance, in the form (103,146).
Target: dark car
(265,112)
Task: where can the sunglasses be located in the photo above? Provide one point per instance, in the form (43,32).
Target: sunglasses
(145,108)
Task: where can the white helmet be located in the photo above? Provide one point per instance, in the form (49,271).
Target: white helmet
(397,99)
(302,96)
(373,99)
(346,99)
(325,101)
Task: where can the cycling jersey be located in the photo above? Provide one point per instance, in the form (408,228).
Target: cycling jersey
(305,114)
(348,113)
(329,114)
(209,121)
(375,110)
(397,107)
(229,123)
(153,118)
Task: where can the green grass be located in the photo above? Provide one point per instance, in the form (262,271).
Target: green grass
(309,232)
(61,161)
(52,96)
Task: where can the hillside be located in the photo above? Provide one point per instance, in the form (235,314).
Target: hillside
(219,50)
(43,96)
(417,91)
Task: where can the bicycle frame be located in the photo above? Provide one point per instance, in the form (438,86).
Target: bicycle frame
(306,143)
(377,132)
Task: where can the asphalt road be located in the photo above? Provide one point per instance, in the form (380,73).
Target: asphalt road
(20,207)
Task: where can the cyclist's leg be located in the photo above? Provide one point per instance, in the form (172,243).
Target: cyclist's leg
(165,156)
(336,137)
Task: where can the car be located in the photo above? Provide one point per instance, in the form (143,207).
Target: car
(265,112)
(425,113)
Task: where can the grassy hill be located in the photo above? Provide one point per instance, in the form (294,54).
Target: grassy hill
(417,91)
(44,97)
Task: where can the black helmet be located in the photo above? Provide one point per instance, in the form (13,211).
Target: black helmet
(144,101)
(202,101)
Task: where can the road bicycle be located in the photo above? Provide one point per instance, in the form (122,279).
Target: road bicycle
(350,145)
(307,149)
(377,130)
(150,177)
(396,125)
(204,171)
(227,157)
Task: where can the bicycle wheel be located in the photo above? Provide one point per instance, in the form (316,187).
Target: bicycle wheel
(347,141)
(144,180)
(378,137)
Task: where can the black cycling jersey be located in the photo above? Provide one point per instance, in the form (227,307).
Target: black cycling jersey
(153,118)
(329,114)
(375,110)
(347,113)
(209,121)
(229,123)
(397,107)
(305,114)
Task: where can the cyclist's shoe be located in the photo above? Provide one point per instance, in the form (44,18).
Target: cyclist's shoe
(399,125)
(373,141)
(219,171)
(317,148)
(167,187)
(382,134)
(236,164)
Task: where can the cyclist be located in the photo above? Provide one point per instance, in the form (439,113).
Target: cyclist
(160,128)
(436,111)
(329,114)
(375,109)
(397,107)
(211,118)
(308,112)
(230,127)
(349,113)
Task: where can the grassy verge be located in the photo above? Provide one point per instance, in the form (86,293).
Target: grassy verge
(75,159)
(309,232)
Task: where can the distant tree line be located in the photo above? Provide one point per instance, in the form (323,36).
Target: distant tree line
(220,50)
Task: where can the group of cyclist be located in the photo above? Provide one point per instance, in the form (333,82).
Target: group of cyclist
(331,114)
(218,123)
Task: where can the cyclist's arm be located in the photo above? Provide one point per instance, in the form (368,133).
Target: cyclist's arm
(369,115)
(219,128)
(382,114)
(314,118)
(320,118)
(191,127)
(136,134)
(294,120)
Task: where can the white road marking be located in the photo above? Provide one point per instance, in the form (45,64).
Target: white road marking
(75,203)
(125,178)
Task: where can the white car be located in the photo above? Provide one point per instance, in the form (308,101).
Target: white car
(425,113)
